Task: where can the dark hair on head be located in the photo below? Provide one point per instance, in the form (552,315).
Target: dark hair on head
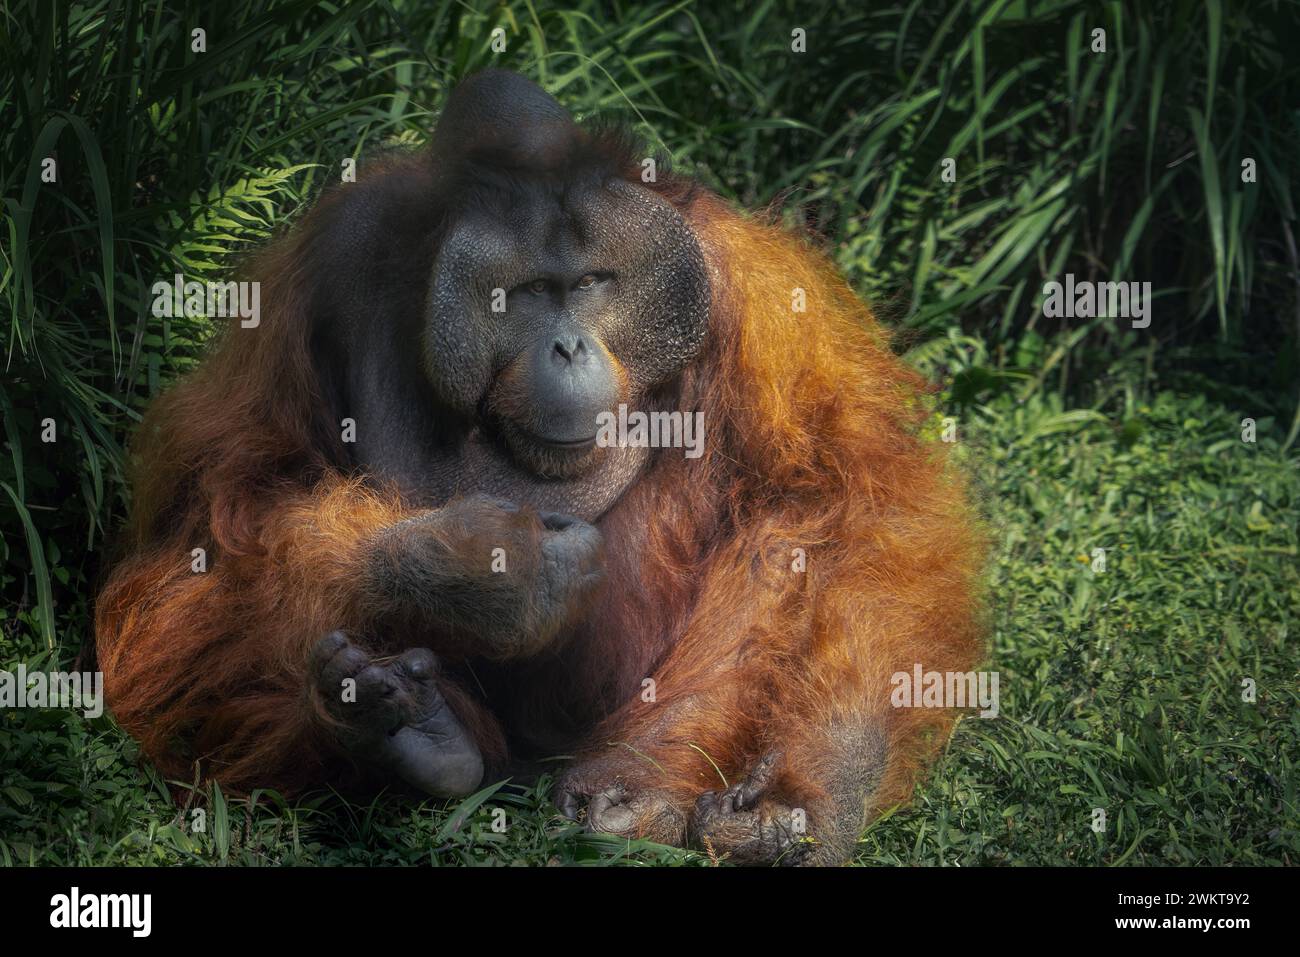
(493,170)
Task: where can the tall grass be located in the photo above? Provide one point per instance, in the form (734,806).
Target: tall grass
(1120,165)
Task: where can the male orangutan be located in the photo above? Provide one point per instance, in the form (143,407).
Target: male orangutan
(422,565)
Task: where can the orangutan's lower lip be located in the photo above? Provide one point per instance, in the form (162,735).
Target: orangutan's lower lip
(566,445)
(573,445)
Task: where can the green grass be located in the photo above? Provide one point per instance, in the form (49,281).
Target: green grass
(1119,690)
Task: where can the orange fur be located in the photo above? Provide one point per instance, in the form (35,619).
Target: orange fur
(811,443)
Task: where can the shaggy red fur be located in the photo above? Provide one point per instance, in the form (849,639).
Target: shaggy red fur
(812,444)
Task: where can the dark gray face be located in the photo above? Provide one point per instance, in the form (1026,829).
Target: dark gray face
(560,306)
(558,291)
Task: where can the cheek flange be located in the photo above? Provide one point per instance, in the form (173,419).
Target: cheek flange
(462,334)
(664,291)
